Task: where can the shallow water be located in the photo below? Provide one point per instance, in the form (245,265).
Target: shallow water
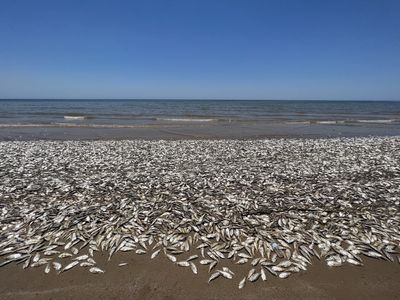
(154,112)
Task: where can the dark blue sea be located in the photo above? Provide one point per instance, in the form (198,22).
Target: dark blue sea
(144,112)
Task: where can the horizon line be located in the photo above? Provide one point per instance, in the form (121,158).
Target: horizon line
(204,99)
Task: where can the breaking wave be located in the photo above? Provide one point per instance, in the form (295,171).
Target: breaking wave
(74,117)
(186,119)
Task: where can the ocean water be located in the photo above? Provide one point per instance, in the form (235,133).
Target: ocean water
(126,113)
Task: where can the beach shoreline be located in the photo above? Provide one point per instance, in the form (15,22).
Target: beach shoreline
(248,131)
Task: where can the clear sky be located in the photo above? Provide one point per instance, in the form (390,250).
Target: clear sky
(200,49)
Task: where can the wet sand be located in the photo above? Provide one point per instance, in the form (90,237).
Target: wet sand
(143,278)
(200,131)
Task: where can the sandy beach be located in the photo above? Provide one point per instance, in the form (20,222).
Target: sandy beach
(144,278)
(290,218)
(184,150)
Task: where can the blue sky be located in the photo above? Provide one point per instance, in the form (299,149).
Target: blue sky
(200,49)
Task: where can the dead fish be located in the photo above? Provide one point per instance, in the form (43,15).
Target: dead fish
(206,261)
(155,253)
(251,272)
(175,210)
(242,283)
(171,257)
(70,266)
(193,267)
(242,261)
(277,269)
(373,254)
(14,256)
(214,276)
(40,262)
(226,274)
(354,262)
(95,270)
(255,261)
(183,264)
(140,251)
(122,264)
(82,257)
(26,263)
(91,260)
(293,269)
(57,266)
(36,257)
(334,263)
(284,275)
(226,269)
(193,257)
(86,264)
(263,274)
(6,262)
(64,255)
(254,277)
(212,265)
(244,255)
(47,269)
(285,264)
(51,252)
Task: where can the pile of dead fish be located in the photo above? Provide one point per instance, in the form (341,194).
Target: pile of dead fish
(271,206)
